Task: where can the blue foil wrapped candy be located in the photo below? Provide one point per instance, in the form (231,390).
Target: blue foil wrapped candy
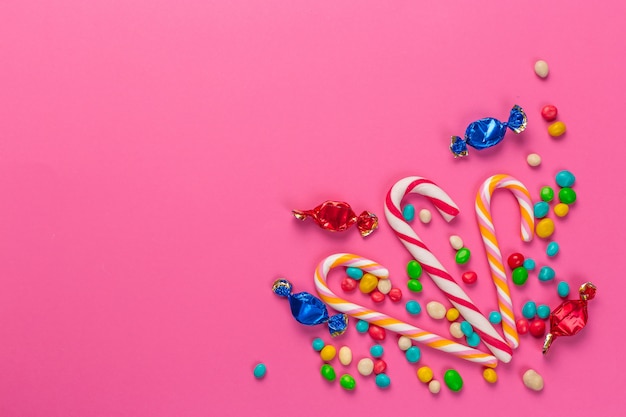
(310,310)
(487,132)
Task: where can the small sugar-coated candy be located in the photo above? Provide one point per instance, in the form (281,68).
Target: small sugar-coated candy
(562,289)
(377,332)
(368,283)
(546,274)
(328,372)
(452,314)
(362,326)
(529,310)
(515,260)
(456,242)
(541,68)
(347,382)
(561,210)
(382,381)
(365,366)
(537,328)
(414,269)
(380,366)
(552,249)
(395,294)
(377,351)
(425,216)
(533,159)
(328,353)
(466,328)
(436,310)
(349,284)
(556,129)
(490,375)
(546,194)
(565,178)
(473,339)
(384,286)
(543,311)
(519,276)
(567,196)
(495,317)
(354,273)
(345,355)
(462,256)
(455,330)
(413,354)
(434,386)
(260,370)
(545,228)
(408,212)
(541,209)
(453,380)
(318,344)
(529,264)
(522,326)
(413,307)
(425,374)
(532,380)
(414,285)
(549,112)
(377,296)
(404,343)
(469,277)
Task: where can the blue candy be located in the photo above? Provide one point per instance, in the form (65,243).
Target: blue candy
(565,178)
(377,351)
(562,289)
(413,354)
(552,249)
(529,310)
(362,326)
(541,209)
(543,311)
(318,344)
(529,264)
(382,380)
(546,273)
(495,317)
(354,273)
(473,339)
(408,212)
(413,307)
(466,328)
(260,370)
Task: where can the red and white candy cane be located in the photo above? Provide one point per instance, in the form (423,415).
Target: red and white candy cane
(455,294)
(494,256)
(423,336)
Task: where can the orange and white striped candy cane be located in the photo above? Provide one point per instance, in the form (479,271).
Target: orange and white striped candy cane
(494,256)
(371,316)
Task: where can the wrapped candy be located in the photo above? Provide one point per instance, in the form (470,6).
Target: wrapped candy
(571,316)
(488,132)
(310,310)
(338,216)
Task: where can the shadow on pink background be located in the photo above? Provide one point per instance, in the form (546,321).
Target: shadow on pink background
(151,152)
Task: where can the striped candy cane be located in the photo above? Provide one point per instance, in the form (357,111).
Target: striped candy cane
(430,339)
(494,257)
(455,294)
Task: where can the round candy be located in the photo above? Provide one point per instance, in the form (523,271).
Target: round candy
(365,366)
(382,380)
(425,216)
(452,314)
(455,330)
(495,317)
(377,351)
(466,328)
(519,276)
(561,210)
(380,366)
(434,386)
(546,194)
(462,256)
(408,212)
(328,353)
(414,269)
(537,328)
(469,277)
(347,382)
(384,286)
(413,354)
(404,343)
(425,374)
(328,372)
(354,273)
(522,326)
(532,380)
(541,209)
(368,283)
(345,355)
(556,129)
(549,112)
(318,344)
(543,311)
(552,249)
(562,289)
(490,375)
(456,242)
(529,264)
(546,274)
(362,326)
(377,296)
(436,310)
(260,370)
(414,285)
(413,307)
(473,340)
(545,228)
(565,178)
(395,294)
(529,310)
(541,68)
(453,380)
(567,196)
(377,332)
(349,284)
(515,260)
(533,159)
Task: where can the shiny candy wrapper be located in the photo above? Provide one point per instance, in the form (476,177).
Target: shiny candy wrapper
(488,132)
(310,310)
(338,216)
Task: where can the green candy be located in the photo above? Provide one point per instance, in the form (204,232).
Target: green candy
(414,285)
(546,194)
(347,382)
(328,372)
(414,269)
(463,256)
(567,195)
(453,380)
(520,275)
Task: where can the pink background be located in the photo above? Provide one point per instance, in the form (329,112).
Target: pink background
(151,152)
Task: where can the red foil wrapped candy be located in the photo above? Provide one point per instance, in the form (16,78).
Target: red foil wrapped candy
(338,216)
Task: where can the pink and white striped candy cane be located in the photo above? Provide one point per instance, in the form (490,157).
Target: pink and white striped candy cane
(430,339)
(494,257)
(455,294)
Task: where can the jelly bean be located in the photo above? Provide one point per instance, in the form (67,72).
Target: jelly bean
(466,328)
(348,284)
(561,210)
(490,375)
(549,113)
(347,382)
(455,330)
(425,374)
(377,351)
(533,159)
(377,296)
(452,314)
(546,194)
(495,317)
(532,380)
(541,68)
(413,354)
(328,353)
(473,340)
(556,129)
(380,366)
(529,310)
(515,260)
(376,332)
(365,366)
(408,212)
(462,256)
(413,307)
(552,249)
(414,269)
(384,286)
(354,273)
(546,274)
(530,264)
(404,343)
(519,276)
(562,289)
(541,209)
(543,311)
(328,372)
(368,283)
(565,179)
(318,344)
(382,381)
(537,328)
(345,355)
(469,277)
(453,380)
(425,216)
(434,386)
(456,242)
(545,228)
(395,294)
(362,326)
(522,326)
(414,285)
(260,370)
(567,196)
(436,310)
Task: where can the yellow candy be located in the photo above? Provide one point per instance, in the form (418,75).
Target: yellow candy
(545,228)
(556,129)
(490,375)
(561,210)
(368,283)
(328,353)
(425,374)
(452,314)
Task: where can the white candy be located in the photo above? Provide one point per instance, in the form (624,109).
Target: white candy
(434,386)
(345,355)
(541,68)
(384,286)
(456,242)
(533,380)
(425,216)
(365,366)
(533,160)
(455,330)
(404,343)
(436,310)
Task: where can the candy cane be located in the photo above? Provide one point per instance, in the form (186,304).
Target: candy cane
(430,339)
(455,294)
(487,231)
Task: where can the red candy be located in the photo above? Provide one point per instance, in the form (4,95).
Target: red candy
(515,260)
(376,332)
(348,284)
(338,216)
(469,277)
(380,366)
(395,295)
(522,326)
(377,296)
(549,112)
(537,328)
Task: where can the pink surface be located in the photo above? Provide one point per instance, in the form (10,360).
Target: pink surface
(151,152)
